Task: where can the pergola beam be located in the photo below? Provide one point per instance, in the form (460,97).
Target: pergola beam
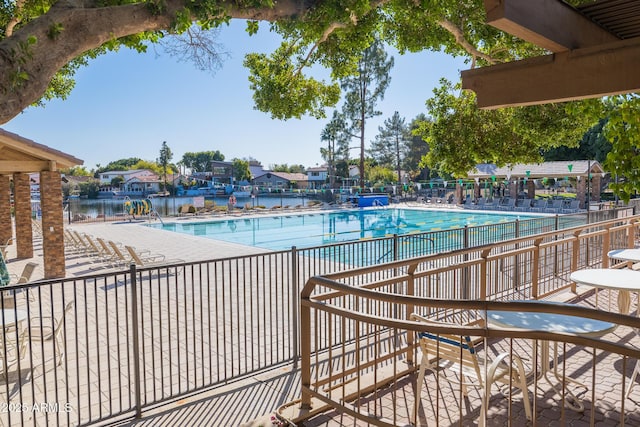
(14,166)
(550,24)
(598,71)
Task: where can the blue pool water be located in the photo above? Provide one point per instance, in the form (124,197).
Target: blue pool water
(316,229)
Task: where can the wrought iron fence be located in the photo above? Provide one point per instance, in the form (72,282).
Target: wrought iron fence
(136,338)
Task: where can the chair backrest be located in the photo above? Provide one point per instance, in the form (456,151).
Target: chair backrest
(60,322)
(452,351)
(27,272)
(134,256)
(116,250)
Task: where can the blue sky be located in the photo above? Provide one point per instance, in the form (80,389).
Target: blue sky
(125,104)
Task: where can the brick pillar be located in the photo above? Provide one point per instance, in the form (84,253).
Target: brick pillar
(582,192)
(477,190)
(531,189)
(596,187)
(22,204)
(52,224)
(513,188)
(6,229)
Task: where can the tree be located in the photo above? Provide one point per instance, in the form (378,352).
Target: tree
(330,134)
(417,148)
(76,171)
(391,143)
(593,146)
(240,170)
(363,90)
(117,165)
(201,161)
(461,135)
(165,157)
(45,43)
(287,168)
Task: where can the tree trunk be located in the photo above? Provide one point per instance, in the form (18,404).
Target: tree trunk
(31,57)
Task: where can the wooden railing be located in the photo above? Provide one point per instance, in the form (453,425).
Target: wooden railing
(362,317)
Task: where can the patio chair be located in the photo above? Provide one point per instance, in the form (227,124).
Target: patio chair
(48,329)
(150,260)
(25,276)
(447,352)
(572,207)
(538,205)
(3,248)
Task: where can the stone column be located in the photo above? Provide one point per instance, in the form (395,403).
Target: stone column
(52,224)
(596,187)
(531,189)
(458,193)
(513,188)
(582,192)
(22,204)
(6,228)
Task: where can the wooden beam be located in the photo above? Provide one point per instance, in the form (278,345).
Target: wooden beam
(550,24)
(584,73)
(15,166)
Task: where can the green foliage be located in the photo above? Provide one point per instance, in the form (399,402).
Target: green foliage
(623,129)
(118,165)
(461,135)
(391,143)
(287,168)
(416,149)
(201,161)
(282,90)
(240,170)
(116,181)
(55,30)
(91,189)
(76,171)
(593,146)
(380,174)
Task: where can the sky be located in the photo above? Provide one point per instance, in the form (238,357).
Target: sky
(125,104)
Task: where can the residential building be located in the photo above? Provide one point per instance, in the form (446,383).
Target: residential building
(317,176)
(282,180)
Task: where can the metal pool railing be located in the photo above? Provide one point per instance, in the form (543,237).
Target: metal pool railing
(137,338)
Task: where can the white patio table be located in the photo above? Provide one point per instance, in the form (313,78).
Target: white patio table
(550,322)
(623,280)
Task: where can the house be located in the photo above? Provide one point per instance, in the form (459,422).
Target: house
(317,177)
(282,180)
(221,172)
(106,177)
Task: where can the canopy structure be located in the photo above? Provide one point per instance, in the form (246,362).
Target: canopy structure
(18,158)
(595,52)
(560,169)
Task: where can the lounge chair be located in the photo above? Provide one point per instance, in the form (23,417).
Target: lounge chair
(149,260)
(480,204)
(555,206)
(523,205)
(443,352)
(538,205)
(572,207)
(507,204)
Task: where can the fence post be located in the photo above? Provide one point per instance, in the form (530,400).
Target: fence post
(295,303)
(516,267)
(465,271)
(395,247)
(136,344)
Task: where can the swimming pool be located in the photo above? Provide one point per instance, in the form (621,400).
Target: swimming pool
(316,229)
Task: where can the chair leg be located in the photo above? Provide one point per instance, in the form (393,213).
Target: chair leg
(419,384)
(632,382)
(520,380)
